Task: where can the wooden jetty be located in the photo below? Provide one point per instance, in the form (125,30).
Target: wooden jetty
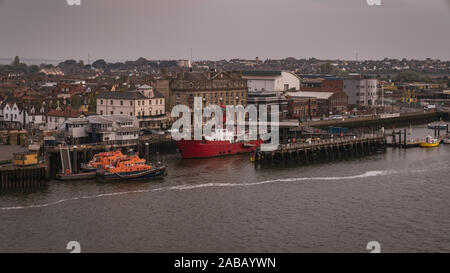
(23,177)
(326,149)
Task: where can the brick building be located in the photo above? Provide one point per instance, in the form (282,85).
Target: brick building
(302,107)
(214,88)
(322,84)
(327,102)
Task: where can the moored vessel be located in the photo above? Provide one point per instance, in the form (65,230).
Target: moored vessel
(204,148)
(430,142)
(220,142)
(130,168)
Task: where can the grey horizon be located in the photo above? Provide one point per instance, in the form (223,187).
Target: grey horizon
(214,30)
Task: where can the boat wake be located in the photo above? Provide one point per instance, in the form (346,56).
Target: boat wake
(191,187)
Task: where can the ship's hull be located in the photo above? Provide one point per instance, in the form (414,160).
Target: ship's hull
(156,172)
(88,169)
(190,149)
(429,145)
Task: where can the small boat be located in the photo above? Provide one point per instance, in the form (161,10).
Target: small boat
(446,140)
(430,142)
(130,168)
(412,144)
(439,126)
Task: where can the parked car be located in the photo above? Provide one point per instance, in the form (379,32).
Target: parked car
(336,117)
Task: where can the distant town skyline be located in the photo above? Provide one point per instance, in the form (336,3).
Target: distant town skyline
(117,30)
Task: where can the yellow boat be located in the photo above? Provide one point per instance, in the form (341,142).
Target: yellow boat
(430,142)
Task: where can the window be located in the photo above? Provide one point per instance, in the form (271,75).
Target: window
(101,102)
(112,112)
(131,103)
(121,102)
(101,112)
(139,103)
(131,113)
(112,103)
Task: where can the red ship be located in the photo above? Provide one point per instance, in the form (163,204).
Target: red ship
(206,148)
(221,143)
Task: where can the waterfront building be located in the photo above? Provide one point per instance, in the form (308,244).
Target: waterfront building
(301,108)
(258,98)
(275,81)
(328,103)
(145,103)
(111,129)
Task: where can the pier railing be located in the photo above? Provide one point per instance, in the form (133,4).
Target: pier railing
(328,142)
(332,148)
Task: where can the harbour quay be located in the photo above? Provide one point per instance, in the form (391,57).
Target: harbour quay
(325,149)
(13,177)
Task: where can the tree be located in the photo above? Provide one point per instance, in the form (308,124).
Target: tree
(75,102)
(92,102)
(408,76)
(16,62)
(99,64)
(325,68)
(67,63)
(33,69)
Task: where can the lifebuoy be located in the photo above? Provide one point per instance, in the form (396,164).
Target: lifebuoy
(67,171)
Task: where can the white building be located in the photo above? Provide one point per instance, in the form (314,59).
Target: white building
(361,90)
(144,103)
(77,129)
(113,129)
(277,81)
(11,111)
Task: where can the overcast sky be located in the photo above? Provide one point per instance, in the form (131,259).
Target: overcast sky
(224,29)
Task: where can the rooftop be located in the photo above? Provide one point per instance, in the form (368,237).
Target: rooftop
(318,95)
(119,118)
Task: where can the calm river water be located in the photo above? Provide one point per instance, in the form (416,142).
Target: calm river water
(400,199)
